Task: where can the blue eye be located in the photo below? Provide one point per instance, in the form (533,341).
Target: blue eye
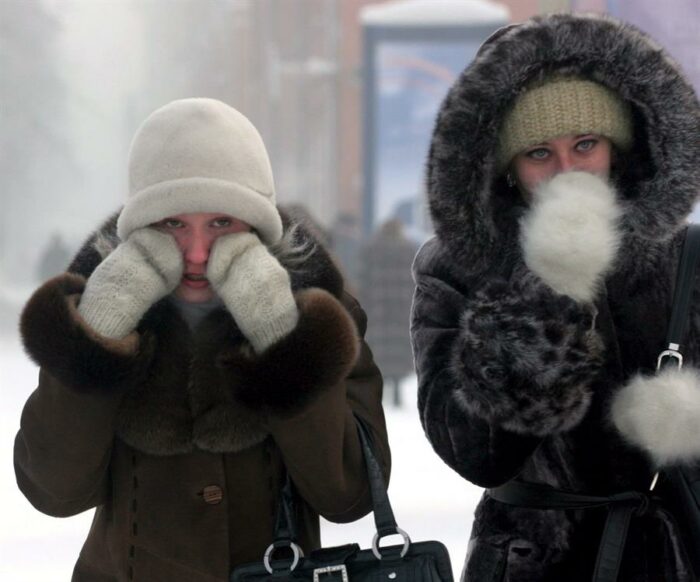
(586,145)
(538,154)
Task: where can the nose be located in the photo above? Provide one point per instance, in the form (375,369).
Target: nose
(197,249)
(565,161)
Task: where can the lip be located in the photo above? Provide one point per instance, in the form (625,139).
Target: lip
(200,284)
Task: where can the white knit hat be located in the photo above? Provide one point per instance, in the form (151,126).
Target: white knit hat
(199,155)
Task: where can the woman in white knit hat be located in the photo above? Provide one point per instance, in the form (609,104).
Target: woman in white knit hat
(563,167)
(199,348)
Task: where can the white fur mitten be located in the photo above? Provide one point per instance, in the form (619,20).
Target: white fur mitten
(254,287)
(569,237)
(139,272)
(661,414)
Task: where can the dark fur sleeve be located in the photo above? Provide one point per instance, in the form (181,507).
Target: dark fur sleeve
(497,369)
(57,339)
(525,357)
(316,355)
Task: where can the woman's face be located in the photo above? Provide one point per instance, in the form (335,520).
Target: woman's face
(586,153)
(195,234)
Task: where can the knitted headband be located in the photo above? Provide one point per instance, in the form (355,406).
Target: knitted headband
(563,106)
(199,155)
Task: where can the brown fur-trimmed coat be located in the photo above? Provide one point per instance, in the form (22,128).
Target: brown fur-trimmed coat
(180,440)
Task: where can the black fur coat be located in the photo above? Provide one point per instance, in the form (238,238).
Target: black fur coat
(514,379)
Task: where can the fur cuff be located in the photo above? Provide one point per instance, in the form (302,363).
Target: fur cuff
(661,415)
(317,354)
(526,359)
(58,340)
(570,238)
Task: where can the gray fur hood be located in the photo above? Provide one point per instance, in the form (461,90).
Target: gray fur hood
(476,214)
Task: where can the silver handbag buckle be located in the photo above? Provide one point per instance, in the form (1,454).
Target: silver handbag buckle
(399,531)
(297,553)
(329,570)
(671,352)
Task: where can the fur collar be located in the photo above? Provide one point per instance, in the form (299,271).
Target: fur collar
(185,402)
(475,213)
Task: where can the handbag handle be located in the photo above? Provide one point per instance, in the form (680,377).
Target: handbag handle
(682,295)
(384,519)
(285,531)
(285,526)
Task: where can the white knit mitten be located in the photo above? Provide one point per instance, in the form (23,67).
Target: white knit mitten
(570,237)
(660,414)
(139,272)
(254,287)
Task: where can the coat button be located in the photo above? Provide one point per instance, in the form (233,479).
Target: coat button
(213,494)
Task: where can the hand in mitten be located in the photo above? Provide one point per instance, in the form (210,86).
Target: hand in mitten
(660,414)
(525,357)
(569,237)
(139,272)
(254,287)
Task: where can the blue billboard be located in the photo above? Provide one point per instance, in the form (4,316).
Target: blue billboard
(407,71)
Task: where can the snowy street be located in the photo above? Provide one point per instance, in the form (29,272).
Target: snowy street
(430,501)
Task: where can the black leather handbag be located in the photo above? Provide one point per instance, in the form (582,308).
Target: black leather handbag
(411,561)
(679,485)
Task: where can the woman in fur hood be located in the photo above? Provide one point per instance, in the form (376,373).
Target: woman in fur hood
(198,349)
(563,167)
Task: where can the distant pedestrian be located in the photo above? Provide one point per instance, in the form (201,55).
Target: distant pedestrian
(346,241)
(386,291)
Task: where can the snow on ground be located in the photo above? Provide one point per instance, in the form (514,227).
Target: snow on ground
(33,546)
(430,501)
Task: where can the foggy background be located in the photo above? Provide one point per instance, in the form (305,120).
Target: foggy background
(347,132)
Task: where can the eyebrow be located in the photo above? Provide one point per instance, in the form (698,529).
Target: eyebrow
(546,143)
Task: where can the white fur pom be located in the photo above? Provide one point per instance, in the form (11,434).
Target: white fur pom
(661,415)
(570,238)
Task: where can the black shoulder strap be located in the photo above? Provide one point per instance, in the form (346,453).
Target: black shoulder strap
(683,292)
(381,507)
